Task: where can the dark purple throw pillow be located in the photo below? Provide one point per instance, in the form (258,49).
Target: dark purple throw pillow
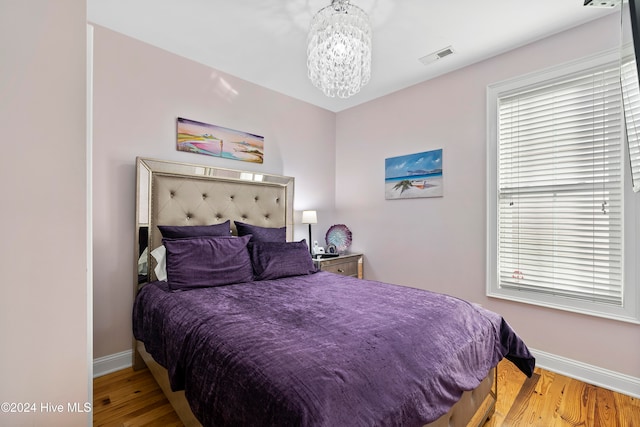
(200,262)
(272,260)
(180,231)
(262,234)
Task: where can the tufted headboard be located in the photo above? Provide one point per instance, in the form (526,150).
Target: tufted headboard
(170,193)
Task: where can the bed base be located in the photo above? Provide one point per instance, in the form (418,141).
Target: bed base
(474,408)
(176,398)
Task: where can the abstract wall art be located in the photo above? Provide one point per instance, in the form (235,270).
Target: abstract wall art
(212,140)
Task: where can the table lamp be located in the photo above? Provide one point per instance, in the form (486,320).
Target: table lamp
(309,217)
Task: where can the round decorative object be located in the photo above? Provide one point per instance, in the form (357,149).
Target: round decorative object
(340,236)
(331,249)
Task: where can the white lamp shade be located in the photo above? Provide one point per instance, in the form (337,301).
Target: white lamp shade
(309,217)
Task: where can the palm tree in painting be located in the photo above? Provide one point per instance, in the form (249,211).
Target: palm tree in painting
(403,185)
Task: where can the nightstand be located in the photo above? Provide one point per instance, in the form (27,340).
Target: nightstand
(345,264)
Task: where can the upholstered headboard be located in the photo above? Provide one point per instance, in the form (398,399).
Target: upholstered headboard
(170,193)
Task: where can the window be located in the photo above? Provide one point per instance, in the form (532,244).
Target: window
(631,97)
(556,190)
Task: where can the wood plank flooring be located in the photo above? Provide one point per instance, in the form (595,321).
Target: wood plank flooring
(133,399)
(548,399)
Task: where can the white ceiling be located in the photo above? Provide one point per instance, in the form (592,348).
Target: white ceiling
(264,41)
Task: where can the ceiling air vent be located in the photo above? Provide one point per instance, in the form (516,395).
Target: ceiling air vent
(602,3)
(433,57)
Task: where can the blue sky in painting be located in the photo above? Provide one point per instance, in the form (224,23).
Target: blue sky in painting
(396,167)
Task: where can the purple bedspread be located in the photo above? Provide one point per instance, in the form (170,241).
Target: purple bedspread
(321,350)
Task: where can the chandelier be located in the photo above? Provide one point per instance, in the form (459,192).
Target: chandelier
(339,49)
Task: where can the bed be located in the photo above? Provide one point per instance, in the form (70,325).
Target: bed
(259,337)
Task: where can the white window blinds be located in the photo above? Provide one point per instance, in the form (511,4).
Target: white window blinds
(631,97)
(559,188)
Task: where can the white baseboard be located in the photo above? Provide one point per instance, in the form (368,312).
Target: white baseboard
(605,378)
(590,374)
(111,363)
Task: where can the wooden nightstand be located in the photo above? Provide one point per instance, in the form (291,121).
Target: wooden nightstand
(346,264)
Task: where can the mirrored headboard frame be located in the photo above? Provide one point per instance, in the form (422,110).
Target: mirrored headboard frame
(174,193)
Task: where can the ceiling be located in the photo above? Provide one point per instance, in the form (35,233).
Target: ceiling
(264,41)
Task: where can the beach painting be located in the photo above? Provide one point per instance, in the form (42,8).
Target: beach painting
(414,175)
(211,140)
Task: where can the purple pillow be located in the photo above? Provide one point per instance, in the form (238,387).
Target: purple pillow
(262,234)
(272,260)
(199,262)
(180,231)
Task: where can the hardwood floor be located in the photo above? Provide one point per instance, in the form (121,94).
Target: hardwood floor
(133,399)
(548,399)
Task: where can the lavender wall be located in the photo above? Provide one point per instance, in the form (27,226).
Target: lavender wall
(43,307)
(440,243)
(139,91)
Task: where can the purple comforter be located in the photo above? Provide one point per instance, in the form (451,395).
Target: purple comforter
(321,350)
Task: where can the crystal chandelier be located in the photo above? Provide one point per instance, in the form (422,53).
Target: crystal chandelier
(339,49)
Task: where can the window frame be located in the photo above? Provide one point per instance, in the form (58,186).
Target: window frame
(629,310)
